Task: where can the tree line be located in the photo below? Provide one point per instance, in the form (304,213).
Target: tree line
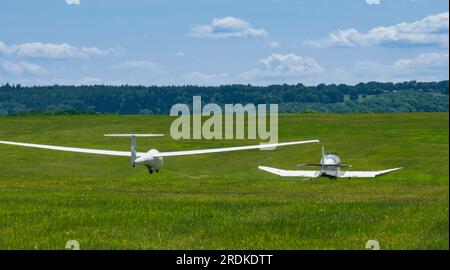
(409,96)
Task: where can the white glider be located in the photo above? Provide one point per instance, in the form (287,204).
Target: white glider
(153,159)
(330,165)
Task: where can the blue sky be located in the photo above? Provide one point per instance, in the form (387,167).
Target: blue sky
(213,42)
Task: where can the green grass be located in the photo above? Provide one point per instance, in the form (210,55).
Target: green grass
(222,201)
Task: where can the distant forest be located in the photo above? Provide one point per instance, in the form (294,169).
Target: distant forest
(102,99)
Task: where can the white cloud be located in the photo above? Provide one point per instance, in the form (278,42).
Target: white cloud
(22,68)
(179,54)
(227,27)
(138,65)
(51,50)
(425,66)
(431,30)
(373,2)
(278,66)
(274,44)
(3,48)
(89,81)
(60,81)
(198,78)
(290,68)
(432,60)
(73,2)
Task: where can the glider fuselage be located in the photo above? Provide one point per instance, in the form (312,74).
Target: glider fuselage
(150,160)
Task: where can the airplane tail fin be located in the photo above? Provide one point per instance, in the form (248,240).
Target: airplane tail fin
(133,142)
(322,159)
(133,150)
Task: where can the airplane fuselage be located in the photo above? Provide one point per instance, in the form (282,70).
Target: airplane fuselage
(150,160)
(330,165)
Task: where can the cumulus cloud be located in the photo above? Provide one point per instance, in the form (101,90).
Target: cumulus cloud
(279,66)
(291,68)
(60,81)
(227,27)
(3,48)
(274,44)
(55,51)
(73,2)
(373,2)
(429,31)
(425,66)
(431,61)
(198,78)
(51,50)
(22,68)
(276,68)
(89,81)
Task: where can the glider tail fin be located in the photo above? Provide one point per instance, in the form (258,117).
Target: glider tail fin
(323,156)
(133,149)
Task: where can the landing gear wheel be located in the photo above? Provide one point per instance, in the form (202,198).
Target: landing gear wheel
(157,170)
(150,171)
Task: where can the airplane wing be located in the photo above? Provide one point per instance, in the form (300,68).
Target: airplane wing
(293,173)
(74,149)
(161,154)
(364,174)
(229,149)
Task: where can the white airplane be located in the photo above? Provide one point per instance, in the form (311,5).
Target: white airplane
(153,159)
(330,165)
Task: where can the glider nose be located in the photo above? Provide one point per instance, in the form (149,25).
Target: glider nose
(142,160)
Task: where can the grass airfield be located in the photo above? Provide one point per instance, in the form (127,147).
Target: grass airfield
(222,201)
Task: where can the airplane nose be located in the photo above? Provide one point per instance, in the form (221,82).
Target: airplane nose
(143,159)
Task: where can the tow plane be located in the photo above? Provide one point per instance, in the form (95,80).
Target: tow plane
(330,166)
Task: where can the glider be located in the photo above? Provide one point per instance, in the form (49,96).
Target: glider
(153,159)
(330,165)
